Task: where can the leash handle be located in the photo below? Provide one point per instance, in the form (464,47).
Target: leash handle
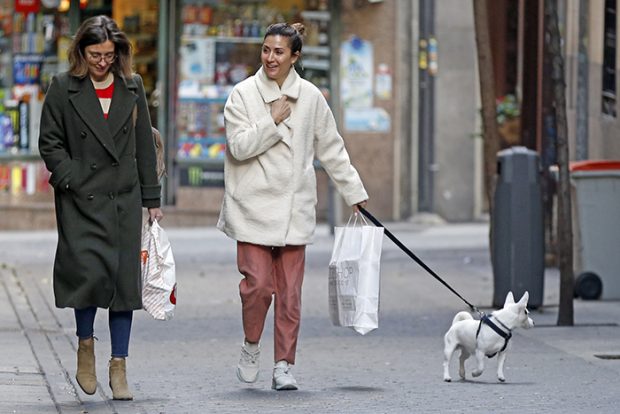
(414,257)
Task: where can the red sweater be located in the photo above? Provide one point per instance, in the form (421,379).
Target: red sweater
(104,91)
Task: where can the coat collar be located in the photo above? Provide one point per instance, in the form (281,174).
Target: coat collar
(269,89)
(85,102)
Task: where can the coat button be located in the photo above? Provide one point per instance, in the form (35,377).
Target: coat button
(90,197)
(93,166)
(114,164)
(125,129)
(111,195)
(83,134)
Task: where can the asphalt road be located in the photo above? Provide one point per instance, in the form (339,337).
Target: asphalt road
(187,365)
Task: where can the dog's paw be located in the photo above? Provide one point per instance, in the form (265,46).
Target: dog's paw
(448,379)
(475,373)
(501,379)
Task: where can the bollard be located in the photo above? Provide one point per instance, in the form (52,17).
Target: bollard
(518,231)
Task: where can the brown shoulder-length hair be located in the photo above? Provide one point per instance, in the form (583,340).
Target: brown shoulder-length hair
(93,31)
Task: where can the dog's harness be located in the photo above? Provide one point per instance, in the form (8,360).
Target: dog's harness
(489,322)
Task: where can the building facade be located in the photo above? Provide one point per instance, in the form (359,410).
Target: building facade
(401,78)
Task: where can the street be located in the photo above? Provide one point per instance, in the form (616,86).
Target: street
(187,365)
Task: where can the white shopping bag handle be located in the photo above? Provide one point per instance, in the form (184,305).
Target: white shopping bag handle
(357,215)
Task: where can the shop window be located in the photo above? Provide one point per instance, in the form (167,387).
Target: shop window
(220,46)
(33,44)
(34,39)
(139,20)
(609,60)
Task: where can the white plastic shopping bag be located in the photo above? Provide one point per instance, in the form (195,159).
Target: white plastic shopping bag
(159,288)
(354,276)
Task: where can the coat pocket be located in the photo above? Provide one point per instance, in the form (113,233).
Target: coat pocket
(253,180)
(61,175)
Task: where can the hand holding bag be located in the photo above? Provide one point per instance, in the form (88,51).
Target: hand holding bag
(354,276)
(159,286)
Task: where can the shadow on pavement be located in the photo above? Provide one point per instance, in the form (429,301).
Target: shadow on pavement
(359,388)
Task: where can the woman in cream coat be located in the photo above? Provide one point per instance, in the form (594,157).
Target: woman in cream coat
(276,124)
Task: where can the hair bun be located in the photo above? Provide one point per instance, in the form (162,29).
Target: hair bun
(301,29)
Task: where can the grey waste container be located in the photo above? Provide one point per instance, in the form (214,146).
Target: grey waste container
(596,202)
(518,232)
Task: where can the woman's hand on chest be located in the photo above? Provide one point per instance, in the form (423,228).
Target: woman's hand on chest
(280,109)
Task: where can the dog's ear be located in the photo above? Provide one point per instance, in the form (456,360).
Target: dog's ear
(524,299)
(509,299)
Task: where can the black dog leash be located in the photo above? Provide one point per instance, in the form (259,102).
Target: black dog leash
(414,257)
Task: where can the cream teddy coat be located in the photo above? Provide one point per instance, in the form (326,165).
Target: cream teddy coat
(270,184)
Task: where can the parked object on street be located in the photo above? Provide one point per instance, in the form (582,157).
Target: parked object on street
(354,275)
(518,232)
(596,196)
(487,337)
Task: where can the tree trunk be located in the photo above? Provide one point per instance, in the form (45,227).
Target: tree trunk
(487,94)
(564,223)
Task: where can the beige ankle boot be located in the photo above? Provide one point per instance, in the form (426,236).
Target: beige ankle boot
(118,380)
(86,376)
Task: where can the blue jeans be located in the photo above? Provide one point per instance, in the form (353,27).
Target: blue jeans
(119,323)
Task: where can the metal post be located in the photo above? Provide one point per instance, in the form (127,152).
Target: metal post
(581,118)
(426,107)
(168,52)
(74,16)
(334,208)
(163,86)
(408,39)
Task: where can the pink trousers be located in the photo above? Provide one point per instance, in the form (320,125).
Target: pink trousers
(272,272)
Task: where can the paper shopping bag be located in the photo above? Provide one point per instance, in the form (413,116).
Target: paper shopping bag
(159,286)
(354,277)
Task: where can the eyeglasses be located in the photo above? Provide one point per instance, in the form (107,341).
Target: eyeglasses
(96,57)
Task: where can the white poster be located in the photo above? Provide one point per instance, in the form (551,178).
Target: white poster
(356,73)
(383,82)
(367,120)
(197,65)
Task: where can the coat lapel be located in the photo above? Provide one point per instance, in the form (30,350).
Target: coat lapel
(269,89)
(86,104)
(123,101)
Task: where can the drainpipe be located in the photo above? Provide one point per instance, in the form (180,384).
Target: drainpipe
(581,118)
(426,114)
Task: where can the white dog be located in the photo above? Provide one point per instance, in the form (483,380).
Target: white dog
(486,337)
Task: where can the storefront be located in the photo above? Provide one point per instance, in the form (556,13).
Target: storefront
(190,54)
(34,38)
(218,45)
(355,51)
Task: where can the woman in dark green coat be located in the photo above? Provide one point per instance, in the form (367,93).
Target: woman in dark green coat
(96,141)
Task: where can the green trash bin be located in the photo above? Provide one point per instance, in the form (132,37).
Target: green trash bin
(596,227)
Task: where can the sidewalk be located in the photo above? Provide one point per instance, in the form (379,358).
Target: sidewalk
(187,365)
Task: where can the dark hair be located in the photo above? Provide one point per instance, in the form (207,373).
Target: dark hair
(96,30)
(294,32)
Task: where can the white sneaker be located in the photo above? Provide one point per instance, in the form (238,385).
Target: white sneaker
(247,369)
(282,377)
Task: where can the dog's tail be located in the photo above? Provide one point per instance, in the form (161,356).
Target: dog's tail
(461,316)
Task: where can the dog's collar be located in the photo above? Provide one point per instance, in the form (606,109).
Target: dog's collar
(506,335)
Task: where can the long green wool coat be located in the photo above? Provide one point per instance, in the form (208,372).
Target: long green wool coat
(103,172)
